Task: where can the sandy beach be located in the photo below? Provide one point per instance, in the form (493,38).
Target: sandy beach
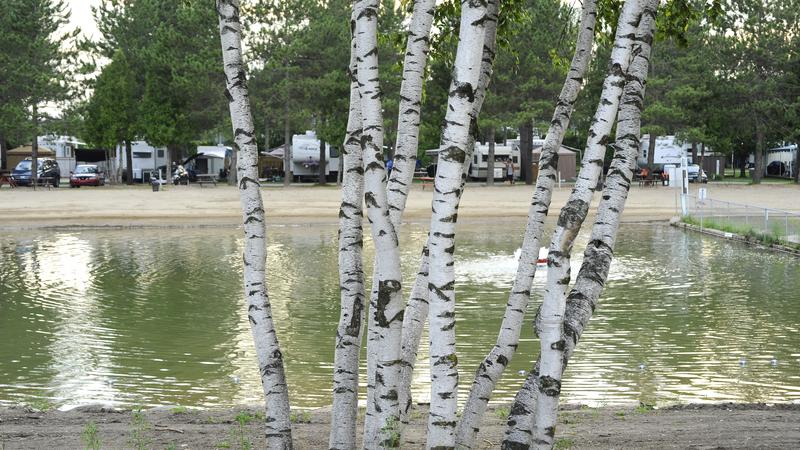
(217,206)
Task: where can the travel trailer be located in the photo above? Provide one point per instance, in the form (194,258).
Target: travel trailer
(480,160)
(212,159)
(781,161)
(64,148)
(145,159)
(305,158)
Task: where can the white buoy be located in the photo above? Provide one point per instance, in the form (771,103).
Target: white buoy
(742,362)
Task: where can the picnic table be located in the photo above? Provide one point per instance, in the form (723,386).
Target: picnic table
(5,177)
(206,178)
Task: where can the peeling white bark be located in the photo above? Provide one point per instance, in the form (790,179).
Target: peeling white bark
(492,367)
(270,359)
(405,156)
(549,323)
(448,186)
(344,412)
(386,314)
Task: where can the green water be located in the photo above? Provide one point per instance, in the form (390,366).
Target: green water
(154,317)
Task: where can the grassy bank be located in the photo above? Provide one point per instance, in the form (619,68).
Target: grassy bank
(748,233)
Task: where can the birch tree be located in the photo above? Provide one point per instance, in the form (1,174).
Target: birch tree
(581,302)
(492,367)
(278,425)
(459,120)
(351,273)
(549,324)
(387,310)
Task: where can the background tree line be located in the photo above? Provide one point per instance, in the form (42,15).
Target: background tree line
(729,84)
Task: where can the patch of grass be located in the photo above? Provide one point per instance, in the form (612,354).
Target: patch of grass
(300,417)
(179,410)
(502,412)
(564,443)
(620,414)
(172,446)
(644,408)
(416,414)
(41,404)
(89,436)
(223,444)
(747,231)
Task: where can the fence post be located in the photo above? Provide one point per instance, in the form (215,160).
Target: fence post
(786,219)
(766,220)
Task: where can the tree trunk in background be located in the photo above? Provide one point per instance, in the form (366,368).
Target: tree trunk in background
(492,367)
(344,413)
(322,162)
(796,166)
(3,150)
(459,120)
(405,156)
(526,152)
(270,359)
(694,152)
(287,147)
(129,164)
(758,169)
(383,410)
(651,151)
(35,148)
(490,159)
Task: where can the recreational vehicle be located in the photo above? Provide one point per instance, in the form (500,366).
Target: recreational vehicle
(145,159)
(781,161)
(212,159)
(480,160)
(305,157)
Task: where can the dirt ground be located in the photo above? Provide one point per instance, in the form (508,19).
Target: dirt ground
(724,426)
(195,206)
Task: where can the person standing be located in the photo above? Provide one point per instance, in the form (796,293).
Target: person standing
(510,171)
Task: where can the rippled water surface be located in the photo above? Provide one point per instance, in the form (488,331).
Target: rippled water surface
(154,317)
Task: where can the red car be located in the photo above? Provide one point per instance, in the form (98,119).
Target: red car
(86,175)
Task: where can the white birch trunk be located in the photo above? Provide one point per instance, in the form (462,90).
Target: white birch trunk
(344,412)
(492,367)
(448,186)
(417,308)
(387,312)
(270,359)
(549,324)
(405,156)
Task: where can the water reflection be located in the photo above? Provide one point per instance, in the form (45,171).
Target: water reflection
(156,317)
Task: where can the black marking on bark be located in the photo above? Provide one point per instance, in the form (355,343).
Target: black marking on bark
(572,214)
(440,292)
(549,386)
(386,288)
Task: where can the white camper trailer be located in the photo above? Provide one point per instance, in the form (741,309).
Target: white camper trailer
(212,159)
(305,157)
(480,160)
(667,151)
(146,159)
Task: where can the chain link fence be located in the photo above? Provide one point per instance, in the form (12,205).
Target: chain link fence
(744,219)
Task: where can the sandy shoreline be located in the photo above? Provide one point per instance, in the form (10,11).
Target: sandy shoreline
(686,426)
(193,206)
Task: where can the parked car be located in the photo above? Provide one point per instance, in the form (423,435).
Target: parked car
(86,175)
(696,175)
(48,172)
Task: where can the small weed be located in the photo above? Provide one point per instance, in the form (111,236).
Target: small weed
(564,443)
(224,444)
(179,410)
(243,418)
(89,436)
(620,414)
(392,430)
(502,412)
(301,417)
(644,408)
(240,433)
(139,428)
(260,416)
(416,414)
(172,446)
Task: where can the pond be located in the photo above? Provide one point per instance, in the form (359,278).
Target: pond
(155,317)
